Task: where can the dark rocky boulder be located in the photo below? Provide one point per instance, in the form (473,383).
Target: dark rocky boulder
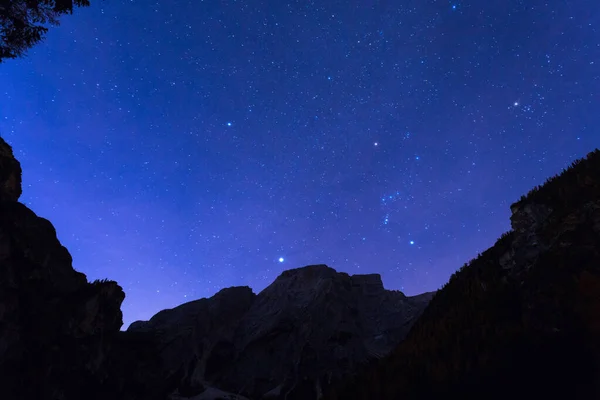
(312,326)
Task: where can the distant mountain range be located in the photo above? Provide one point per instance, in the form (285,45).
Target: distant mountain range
(522,320)
(310,327)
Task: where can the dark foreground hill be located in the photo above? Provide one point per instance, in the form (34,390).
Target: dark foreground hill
(520,321)
(59,334)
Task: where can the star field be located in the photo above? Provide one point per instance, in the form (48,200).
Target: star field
(182,147)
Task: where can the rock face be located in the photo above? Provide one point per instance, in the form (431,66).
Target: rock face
(520,321)
(312,326)
(192,337)
(59,334)
(10,174)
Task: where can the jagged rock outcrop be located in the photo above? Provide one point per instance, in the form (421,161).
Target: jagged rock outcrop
(10,174)
(520,321)
(312,326)
(59,334)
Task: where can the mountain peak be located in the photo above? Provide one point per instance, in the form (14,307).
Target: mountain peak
(312,274)
(308,272)
(311,326)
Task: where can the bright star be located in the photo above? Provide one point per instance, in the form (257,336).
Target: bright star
(376,144)
(412,242)
(281,259)
(229,124)
(516,104)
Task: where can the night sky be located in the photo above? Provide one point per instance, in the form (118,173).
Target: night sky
(182,147)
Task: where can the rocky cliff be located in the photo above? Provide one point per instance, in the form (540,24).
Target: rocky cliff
(520,321)
(59,334)
(311,327)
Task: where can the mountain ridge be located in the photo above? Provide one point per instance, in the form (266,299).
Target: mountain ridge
(522,320)
(524,312)
(301,326)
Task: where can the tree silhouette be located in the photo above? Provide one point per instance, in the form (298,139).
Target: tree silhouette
(23,23)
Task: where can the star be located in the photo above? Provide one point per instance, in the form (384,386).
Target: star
(376,144)
(229,124)
(281,259)
(412,242)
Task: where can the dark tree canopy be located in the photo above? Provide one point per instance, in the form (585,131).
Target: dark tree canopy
(23,23)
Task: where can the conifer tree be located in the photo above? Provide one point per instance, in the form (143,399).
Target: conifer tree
(23,23)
